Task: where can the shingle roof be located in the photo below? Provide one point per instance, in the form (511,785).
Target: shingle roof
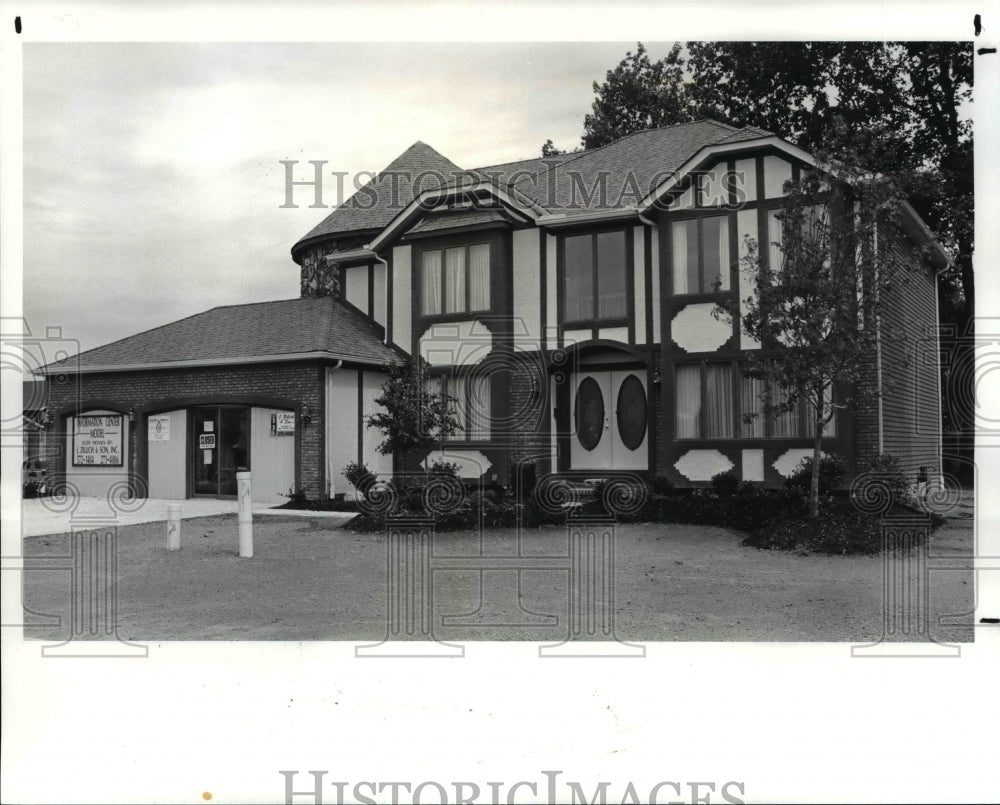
(418,168)
(622,173)
(240,332)
(562,184)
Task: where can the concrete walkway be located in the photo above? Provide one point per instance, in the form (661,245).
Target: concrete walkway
(40,516)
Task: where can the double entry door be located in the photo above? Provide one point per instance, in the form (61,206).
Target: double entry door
(610,420)
(221,444)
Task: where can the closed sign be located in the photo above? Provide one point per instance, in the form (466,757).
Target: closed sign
(206,441)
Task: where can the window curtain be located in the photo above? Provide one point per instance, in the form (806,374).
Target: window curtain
(684,242)
(752,402)
(720,272)
(612,275)
(688,401)
(776,257)
(454,280)
(719,411)
(431,270)
(479,277)
(456,389)
(480,407)
(830,429)
(785,426)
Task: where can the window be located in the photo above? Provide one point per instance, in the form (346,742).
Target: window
(701,254)
(704,410)
(455,280)
(473,406)
(706,407)
(595,277)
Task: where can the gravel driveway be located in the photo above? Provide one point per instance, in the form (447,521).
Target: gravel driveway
(310,579)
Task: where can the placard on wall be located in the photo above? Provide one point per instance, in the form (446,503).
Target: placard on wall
(97,439)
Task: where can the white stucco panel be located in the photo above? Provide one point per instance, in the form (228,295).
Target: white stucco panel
(460,343)
(471,463)
(788,461)
(702,465)
(753,465)
(695,329)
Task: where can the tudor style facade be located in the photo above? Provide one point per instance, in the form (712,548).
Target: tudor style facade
(566,303)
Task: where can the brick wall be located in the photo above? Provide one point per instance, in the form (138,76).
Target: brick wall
(295,384)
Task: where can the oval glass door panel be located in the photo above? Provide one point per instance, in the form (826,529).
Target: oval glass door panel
(632,413)
(589,413)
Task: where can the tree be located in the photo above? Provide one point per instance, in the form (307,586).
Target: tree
(638,94)
(816,332)
(416,416)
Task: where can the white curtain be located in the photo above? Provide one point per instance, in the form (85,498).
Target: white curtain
(479,277)
(480,407)
(456,389)
(678,238)
(723,271)
(787,424)
(775,256)
(454,280)
(688,400)
(752,402)
(719,410)
(431,270)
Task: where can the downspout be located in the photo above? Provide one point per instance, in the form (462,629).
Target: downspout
(326,420)
(385,327)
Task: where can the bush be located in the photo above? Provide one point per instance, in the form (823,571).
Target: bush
(358,475)
(831,470)
(660,485)
(443,469)
(886,470)
(726,483)
(839,529)
(527,480)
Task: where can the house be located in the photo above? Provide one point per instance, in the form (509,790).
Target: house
(565,302)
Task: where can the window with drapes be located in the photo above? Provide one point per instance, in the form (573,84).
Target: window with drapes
(473,404)
(455,280)
(713,400)
(595,277)
(701,257)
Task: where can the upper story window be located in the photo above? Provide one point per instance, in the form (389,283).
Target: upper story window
(701,254)
(455,280)
(595,277)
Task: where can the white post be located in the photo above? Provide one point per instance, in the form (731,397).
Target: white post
(173,526)
(245,513)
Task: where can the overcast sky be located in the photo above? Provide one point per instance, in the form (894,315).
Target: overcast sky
(152,178)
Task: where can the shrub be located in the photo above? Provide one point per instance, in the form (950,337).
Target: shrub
(358,474)
(831,470)
(885,468)
(839,529)
(443,469)
(726,483)
(527,479)
(33,489)
(660,485)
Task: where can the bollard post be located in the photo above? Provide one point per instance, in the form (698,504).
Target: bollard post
(244,513)
(173,526)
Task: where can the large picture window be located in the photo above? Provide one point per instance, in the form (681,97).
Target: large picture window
(595,277)
(713,400)
(455,280)
(700,249)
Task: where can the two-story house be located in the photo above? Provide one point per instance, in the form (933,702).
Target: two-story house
(566,303)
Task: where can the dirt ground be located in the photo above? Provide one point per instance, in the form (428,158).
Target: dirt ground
(310,579)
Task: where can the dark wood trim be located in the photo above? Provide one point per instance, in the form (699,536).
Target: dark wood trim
(390,297)
(543,293)
(629,283)
(371,290)
(361,419)
(647,273)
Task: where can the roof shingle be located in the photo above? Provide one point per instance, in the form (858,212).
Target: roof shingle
(238,332)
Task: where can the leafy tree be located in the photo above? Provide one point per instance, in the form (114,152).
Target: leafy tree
(816,331)
(416,415)
(638,94)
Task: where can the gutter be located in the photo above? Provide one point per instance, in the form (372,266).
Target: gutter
(52,369)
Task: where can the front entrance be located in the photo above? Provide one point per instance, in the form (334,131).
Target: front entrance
(610,420)
(221,442)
